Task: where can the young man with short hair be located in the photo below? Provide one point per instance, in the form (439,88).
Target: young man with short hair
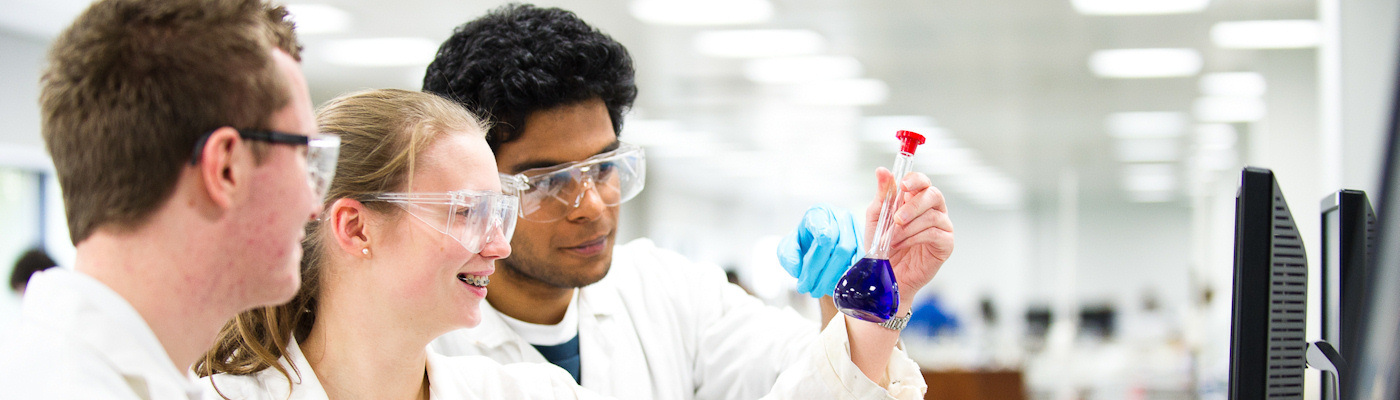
(183,139)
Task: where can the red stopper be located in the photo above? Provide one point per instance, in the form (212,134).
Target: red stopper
(909,141)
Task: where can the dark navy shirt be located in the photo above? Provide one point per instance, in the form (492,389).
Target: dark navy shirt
(565,355)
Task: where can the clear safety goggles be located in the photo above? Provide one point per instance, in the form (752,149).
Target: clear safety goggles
(473,218)
(548,194)
(322,151)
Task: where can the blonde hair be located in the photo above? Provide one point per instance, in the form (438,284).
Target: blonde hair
(382,132)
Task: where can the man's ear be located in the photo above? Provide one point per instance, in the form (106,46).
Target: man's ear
(349,224)
(219,165)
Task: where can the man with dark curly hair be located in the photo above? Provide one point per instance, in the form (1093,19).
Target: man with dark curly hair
(636,321)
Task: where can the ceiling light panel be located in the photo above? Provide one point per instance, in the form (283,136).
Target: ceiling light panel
(802,69)
(1245,84)
(1138,7)
(313,19)
(1229,109)
(1145,63)
(381,52)
(1145,124)
(1276,34)
(702,12)
(754,43)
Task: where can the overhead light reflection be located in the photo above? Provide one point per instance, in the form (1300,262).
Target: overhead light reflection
(1138,7)
(1242,84)
(702,12)
(752,43)
(1145,63)
(318,18)
(1145,124)
(802,69)
(1229,109)
(847,92)
(1278,34)
(381,52)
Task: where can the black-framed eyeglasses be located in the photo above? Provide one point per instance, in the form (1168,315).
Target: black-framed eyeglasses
(322,152)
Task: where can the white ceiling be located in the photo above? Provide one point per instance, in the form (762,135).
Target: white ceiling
(1006,78)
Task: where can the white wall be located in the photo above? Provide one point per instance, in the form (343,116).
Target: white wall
(19,83)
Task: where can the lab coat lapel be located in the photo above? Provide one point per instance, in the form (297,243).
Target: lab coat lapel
(498,341)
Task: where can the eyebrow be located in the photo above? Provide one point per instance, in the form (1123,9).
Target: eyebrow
(532,164)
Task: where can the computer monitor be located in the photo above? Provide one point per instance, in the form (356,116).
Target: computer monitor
(1269,312)
(1348,238)
(1375,374)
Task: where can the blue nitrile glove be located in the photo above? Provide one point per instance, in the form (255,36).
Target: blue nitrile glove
(825,244)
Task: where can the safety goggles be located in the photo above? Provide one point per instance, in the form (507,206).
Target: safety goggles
(322,150)
(548,194)
(473,218)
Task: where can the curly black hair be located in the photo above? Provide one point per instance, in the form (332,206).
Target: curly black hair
(519,59)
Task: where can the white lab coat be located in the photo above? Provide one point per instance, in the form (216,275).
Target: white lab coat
(78,339)
(661,327)
(449,378)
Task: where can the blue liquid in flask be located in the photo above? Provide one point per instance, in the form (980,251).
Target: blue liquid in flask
(868,291)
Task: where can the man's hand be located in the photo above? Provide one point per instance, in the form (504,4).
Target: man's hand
(921,236)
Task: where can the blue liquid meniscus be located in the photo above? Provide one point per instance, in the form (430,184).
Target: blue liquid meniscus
(868,291)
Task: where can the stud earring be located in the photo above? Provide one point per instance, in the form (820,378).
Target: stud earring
(365,251)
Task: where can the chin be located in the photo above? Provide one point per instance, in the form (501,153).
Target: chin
(288,285)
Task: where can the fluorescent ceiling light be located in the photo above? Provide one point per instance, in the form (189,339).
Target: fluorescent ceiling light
(1279,34)
(1160,196)
(988,187)
(751,43)
(1216,136)
(950,160)
(1145,124)
(381,52)
(318,18)
(1138,7)
(1148,150)
(845,92)
(801,69)
(1245,84)
(1145,63)
(1216,160)
(1149,177)
(1229,109)
(702,12)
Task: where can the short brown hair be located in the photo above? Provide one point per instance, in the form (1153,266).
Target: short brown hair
(382,133)
(131,86)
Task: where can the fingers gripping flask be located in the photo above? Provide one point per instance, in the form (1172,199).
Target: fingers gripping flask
(868,291)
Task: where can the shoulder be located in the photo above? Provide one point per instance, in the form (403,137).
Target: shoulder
(640,259)
(265,384)
(51,365)
(487,377)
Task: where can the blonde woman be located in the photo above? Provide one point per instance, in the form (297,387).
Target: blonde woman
(412,223)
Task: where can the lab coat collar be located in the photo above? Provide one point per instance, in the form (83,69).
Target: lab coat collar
(91,313)
(599,300)
(445,382)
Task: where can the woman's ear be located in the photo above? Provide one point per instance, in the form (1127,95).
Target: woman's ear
(349,223)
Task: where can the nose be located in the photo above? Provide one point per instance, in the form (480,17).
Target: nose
(497,247)
(589,204)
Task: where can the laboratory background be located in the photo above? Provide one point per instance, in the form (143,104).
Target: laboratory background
(1089,150)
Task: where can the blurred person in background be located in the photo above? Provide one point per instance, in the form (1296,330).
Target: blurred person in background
(32,261)
(413,221)
(180,132)
(633,320)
